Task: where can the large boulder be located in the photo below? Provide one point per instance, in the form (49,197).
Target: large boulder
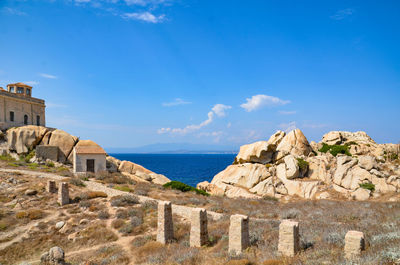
(342,137)
(64,141)
(319,169)
(294,143)
(138,172)
(112,164)
(244,175)
(259,152)
(23,139)
(343,165)
(367,162)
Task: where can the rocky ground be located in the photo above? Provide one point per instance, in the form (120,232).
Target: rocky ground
(112,220)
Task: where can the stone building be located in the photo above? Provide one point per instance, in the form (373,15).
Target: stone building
(88,157)
(19,108)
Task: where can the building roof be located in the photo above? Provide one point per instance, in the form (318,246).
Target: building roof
(19,84)
(89,147)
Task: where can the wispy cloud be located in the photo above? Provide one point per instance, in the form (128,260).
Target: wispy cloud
(144,2)
(48,76)
(217,135)
(342,14)
(258,101)
(176,102)
(289,112)
(31,83)
(144,16)
(217,111)
(13,11)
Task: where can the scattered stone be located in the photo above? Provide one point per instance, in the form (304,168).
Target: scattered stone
(198,228)
(354,244)
(55,256)
(289,239)
(165,229)
(30,192)
(361,194)
(238,234)
(60,224)
(83,221)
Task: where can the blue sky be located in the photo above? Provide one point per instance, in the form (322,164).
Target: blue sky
(127,73)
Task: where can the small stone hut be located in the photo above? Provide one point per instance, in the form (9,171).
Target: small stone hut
(88,157)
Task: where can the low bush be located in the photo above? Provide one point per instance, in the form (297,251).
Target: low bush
(77,182)
(335,149)
(117,223)
(303,165)
(124,200)
(368,186)
(32,214)
(184,187)
(123,188)
(103,215)
(96,194)
(50,164)
(7,158)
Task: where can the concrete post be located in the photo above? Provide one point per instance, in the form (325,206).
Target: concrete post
(63,193)
(198,227)
(51,186)
(289,239)
(354,244)
(165,228)
(238,233)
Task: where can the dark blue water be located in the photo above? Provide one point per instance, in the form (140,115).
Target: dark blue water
(188,168)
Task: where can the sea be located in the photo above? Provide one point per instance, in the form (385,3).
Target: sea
(187,168)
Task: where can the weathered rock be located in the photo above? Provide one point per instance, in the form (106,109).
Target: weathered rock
(318,169)
(245,175)
(342,137)
(210,188)
(381,186)
(64,141)
(142,173)
(236,192)
(361,194)
(367,162)
(30,192)
(56,254)
(294,143)
(112,164)
(292,168)
(344,163)
(60,225)
(23,139)
(259,152)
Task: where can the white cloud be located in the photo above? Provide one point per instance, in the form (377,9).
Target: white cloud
(229,125)
(287,127)
(176,102)
(82,1)
(283,112)
(217,135)
(217,110)
(144,16)
(259,101)
(31,83)
(13,11)
(48,76)
(342,14)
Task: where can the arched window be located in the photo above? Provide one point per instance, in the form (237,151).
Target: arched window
(38,120)
(26,119)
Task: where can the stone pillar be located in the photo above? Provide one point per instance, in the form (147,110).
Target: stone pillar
(239,233)
(165,227)
(63,193)
(198,227)
(51,186)
(354,244)
(289,239)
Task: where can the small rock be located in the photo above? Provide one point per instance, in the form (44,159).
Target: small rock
(60,224)
(83,221)
(361,194)
(30,192)
(24,263)
(56,254)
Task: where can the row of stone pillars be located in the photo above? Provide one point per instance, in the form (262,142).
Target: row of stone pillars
(289,237)
(63,191)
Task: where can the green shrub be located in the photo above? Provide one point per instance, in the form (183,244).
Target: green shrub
(303,165)
(335,149)
(50,164)
(123,188)
(77,182)
(351,143)
(368,186)
(30,156)
(7,158)
(184,187)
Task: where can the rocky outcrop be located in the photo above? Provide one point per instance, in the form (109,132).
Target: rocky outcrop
(24,139)
(64,141)
(287,165)
(140,173)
